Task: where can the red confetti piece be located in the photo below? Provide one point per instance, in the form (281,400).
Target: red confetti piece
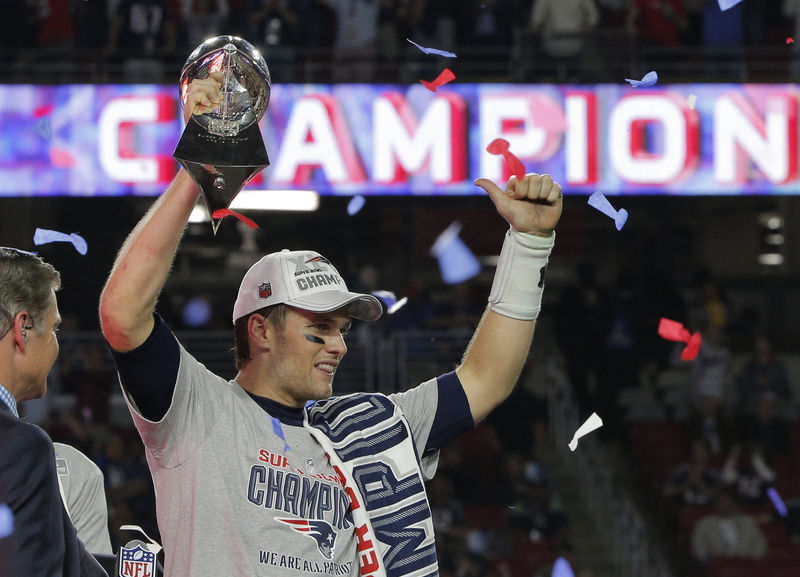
(444,77)
(501,146)
(675,331)
(62,158)
(672,331)
(43,110)
(692,348)
(223,212)
(790,40)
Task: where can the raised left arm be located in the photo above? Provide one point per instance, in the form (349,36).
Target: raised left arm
(495,356)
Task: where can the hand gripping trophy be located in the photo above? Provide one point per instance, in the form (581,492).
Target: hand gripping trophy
(223,149)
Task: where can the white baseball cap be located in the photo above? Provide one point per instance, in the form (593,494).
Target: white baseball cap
(303,279)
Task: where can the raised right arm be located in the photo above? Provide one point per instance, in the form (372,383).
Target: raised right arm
(129,297)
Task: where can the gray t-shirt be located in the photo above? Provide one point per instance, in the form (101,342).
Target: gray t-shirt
(83,492)
(230,499)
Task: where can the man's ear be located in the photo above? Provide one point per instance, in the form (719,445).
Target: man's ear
(259,332)
(21,322)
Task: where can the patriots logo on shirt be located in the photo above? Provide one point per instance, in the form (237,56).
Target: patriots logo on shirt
(318,530)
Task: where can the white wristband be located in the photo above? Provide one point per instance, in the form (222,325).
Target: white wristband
(519,278)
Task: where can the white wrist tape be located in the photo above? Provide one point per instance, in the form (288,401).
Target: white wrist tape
(519,278)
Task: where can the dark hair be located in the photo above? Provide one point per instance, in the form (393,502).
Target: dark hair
(275,314)
(26,282)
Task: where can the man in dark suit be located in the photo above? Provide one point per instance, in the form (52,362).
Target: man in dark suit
(43,542)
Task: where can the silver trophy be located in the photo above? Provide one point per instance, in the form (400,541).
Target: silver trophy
(223,149)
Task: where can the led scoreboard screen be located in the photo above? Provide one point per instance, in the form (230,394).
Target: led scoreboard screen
(700,139)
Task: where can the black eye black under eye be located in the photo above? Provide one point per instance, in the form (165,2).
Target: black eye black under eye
(314,339)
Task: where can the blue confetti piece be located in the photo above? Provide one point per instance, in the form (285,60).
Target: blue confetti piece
(562,568)
(456,261)
(600,202)
(389,299)
(780,506)
(727,4)
(435,51)
(648,79)
(386,297)
(43,128)
(276,427)
(356,204)
(44,236)
(6,521)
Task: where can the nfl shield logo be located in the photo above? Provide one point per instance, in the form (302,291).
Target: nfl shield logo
(264,290)
(137,562)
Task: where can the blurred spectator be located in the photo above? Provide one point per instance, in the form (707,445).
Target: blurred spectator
(762,373)
(693,483)
(748,474)
(613,13)
(129,487)
(621,358)
(562,26)
(710,310)
(525,490)
(277,24)
(87,374)
(764,429)
(723,30)
(140,34)
(693,33)
(486,29)
(55,29)
(791,9)
(710,370)
(238,21)
(447,511)
(727,533)
(581,333)
(710,424)
(356,40)
(203,19)
(91,24)
(319,25)
(657,23)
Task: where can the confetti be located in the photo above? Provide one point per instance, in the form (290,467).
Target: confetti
(592,423)
(223,212)
(780,506)
(500,146)
(444,77)
(278,430)
(44,236)
(691,100)
(6,521)
(456,261)
(389,299)
(600,202)
(61,158)
(675,331)
(690,352)
(789,40)
(43,128)
(435,51)
(356,204)
(562,568)
(153,546)
(648,79)
(727,4)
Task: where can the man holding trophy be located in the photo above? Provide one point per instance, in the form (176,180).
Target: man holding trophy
(268,474)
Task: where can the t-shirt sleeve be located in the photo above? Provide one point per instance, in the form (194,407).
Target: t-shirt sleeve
(175,400)
(437,411)
(148,372)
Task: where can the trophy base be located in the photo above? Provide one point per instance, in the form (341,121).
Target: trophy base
(221,166)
